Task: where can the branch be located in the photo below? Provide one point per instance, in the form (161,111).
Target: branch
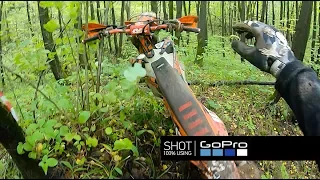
(227,83)
(46,97)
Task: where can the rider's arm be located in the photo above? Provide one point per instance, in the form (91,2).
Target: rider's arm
(300,87)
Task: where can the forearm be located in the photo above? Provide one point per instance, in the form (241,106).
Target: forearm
(300,88)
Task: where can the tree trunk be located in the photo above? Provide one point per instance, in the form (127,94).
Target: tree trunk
(49,44)
(1,62)
(77,25)
(257,15)
(203,35)
(107,22)
(302,30)
(281,13)
(29,19)
(264,7)
(121,23)
(273,15)
(60,23)
(314,32)
(243,18)
(116,48)
(154,7)
(189,12)
(185,8)
(266,16)
(164,9)
(297,12)
(178,15)
(170,9)
(98,12)
(288,22)
(318,55)
(209,17)
(92,10)
(128,9)
(222,27)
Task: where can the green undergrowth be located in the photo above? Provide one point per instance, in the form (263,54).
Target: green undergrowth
(120,136)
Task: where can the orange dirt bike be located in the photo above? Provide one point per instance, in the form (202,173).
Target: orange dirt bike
(166,78)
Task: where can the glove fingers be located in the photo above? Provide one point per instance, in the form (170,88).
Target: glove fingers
(244,50)
(251,54)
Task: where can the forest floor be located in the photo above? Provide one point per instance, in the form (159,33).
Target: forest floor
(244,109)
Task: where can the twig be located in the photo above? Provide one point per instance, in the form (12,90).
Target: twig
(15,97)
(227,83)
(45,96)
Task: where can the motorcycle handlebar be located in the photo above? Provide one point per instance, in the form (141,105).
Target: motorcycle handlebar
(152,29)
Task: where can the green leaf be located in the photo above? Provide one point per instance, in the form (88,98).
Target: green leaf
(104,109)
(49,133)
(67,164)
(77,137)
(27,146)
(20,148)
(108,130)
(51,25)
(132,73)
(85,129)
(68,137)
(32,155)
(41,122)
(111,86)
(84,116)
(64,130)
(93,142)
(52,162)
(64,104)
(118,170)
(50,123)
(122,144)
(122,116)
(31,128)
(93,128)
(125,84)
(45,4)
(135,151)
(141,132)
(45,168)
(213,104)
(110,98)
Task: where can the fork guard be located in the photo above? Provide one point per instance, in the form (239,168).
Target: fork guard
(191,117)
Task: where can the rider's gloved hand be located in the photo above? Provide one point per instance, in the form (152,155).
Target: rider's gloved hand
(270,53)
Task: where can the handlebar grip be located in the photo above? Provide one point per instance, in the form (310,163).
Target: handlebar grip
(190,29)
(97,36)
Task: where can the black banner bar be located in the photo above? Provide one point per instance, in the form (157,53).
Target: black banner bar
(240,148)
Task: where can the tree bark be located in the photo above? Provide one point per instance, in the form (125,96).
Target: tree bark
(154,7)
(273,15)
(29,19)
(164,9)
(314,32)
(203,35)
(1,62)
(288,22)
(98,12)
(222,27)
(128,9)
(48,43)
(243,18)
(264,7)
(121,23)
(178,15)
(302,30)
(92,10)
(116,48)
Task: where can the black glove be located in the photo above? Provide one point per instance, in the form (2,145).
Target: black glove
(271,52)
